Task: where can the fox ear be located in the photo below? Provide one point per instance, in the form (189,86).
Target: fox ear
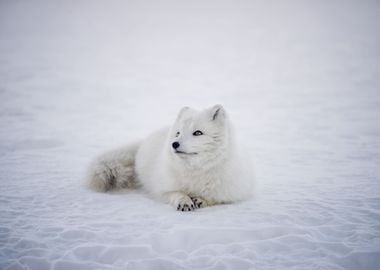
(218,112)
(182,112)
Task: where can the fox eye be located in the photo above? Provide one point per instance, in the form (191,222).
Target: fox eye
(197,133)
(177,134)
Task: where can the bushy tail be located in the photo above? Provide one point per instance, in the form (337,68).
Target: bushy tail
(113,170)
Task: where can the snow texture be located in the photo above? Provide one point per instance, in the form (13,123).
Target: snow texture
(299,78)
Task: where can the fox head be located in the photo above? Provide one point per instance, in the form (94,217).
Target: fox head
(199,138)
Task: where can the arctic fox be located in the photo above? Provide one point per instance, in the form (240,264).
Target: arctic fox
(193,164)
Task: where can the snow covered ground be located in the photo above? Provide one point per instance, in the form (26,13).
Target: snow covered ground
(299,78)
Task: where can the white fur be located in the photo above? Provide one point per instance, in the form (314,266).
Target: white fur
(212,171)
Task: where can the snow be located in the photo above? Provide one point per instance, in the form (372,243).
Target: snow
(300,80)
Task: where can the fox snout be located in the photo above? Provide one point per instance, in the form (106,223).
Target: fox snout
(175,145)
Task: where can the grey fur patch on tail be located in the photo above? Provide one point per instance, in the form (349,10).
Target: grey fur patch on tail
(113,170)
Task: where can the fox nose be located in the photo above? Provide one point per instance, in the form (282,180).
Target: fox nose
(175,145)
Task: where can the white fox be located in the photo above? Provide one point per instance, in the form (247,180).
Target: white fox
(193,164)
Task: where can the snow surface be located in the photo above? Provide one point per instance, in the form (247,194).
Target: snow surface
(299,78)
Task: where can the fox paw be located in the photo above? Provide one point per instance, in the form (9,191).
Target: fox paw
(198,202)
(185,205)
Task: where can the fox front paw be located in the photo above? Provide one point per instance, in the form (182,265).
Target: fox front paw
(198,202)
(184,207)
(180,201)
